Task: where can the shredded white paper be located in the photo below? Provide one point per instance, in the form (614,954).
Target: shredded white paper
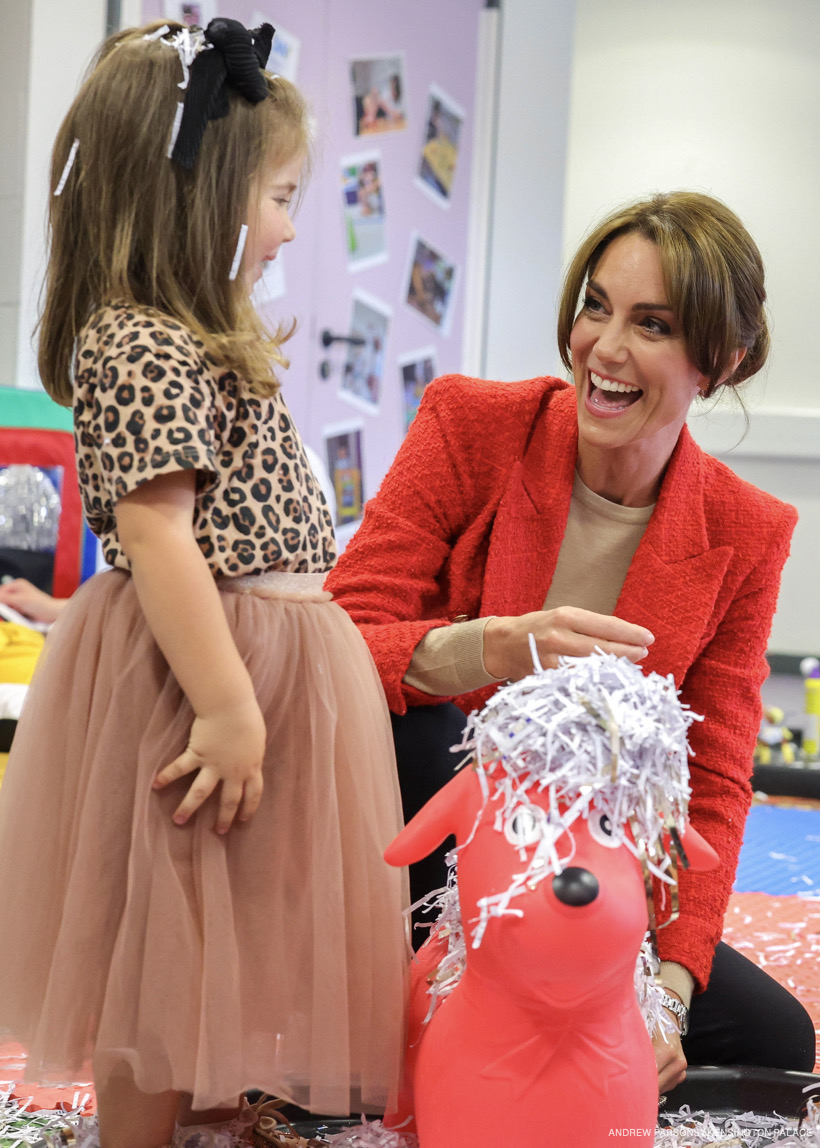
(600,739)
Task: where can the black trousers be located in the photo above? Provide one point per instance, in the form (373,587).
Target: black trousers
(743,1017)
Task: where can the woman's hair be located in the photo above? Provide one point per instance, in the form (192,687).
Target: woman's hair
(133,226)
(712,271)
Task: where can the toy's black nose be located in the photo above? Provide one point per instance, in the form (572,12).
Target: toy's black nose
(575,886)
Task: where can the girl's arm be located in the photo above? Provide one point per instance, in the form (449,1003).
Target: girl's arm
(181,603)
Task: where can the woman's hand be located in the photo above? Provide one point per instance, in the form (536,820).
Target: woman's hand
(566,630)
(226,748)
(31,602)
(669,1055)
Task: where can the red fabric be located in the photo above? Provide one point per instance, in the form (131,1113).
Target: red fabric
(469,521)
(35,447)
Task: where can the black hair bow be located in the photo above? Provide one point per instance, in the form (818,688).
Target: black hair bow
(236,57)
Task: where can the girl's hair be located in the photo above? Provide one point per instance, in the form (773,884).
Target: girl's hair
(132,226)
(712,271)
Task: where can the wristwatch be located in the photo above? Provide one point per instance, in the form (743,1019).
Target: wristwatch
(679,1009)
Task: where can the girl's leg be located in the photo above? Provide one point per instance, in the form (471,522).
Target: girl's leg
(129,1118)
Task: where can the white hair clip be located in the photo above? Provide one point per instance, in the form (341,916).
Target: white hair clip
(69,163)
(240,248)
(175,129)
(157,34)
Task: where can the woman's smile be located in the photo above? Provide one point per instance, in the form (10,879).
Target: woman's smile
(610,396)
(634,378)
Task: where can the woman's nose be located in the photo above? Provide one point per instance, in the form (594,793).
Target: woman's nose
(611,345)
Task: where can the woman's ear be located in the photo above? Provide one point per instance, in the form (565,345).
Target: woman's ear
(735,359)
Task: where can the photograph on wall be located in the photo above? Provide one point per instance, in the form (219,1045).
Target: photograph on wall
(363,207)
(194,15)
(431,282)
(343,451)
(439,153)
(378,94)
(417,370)
(284,52)
(363,372)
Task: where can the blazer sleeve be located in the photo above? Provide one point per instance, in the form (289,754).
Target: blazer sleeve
(723,684)
(389,579)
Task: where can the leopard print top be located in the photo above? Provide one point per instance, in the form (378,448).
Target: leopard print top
(149,400)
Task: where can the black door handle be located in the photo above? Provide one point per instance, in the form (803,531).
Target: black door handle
(328,338)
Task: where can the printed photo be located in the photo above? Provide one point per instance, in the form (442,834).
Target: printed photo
(343,450)
(284,53)
(416,370)
(439,153)
(194,15)
(378,94)
(363,206)
(430,283)
(364,369)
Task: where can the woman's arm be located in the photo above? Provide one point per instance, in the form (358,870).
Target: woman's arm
(182,606)
(724,685)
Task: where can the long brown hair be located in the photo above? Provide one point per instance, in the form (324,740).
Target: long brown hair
(132,226)
(712,271)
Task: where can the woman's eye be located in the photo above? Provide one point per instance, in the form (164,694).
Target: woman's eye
(600,830)
(655,326)
(592,305)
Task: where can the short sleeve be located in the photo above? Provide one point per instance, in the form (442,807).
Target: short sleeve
(145,406)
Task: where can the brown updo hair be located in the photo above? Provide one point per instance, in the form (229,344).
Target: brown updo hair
(712,271)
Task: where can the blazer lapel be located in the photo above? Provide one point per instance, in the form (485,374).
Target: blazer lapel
(532,516)
(674,579)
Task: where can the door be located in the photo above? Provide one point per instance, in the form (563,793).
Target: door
(382,231)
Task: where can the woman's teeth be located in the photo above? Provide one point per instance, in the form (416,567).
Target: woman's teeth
(610,385)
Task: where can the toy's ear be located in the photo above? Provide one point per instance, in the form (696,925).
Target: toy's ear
(445,813)
(699,852)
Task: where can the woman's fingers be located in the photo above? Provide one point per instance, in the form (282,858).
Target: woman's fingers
(565,631)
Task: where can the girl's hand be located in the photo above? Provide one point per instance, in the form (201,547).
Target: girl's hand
(226,748)
(566,630)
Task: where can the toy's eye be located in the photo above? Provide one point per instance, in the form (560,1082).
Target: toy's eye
(525,827)
(600,830)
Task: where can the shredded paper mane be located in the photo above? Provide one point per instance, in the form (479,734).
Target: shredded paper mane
(594,735)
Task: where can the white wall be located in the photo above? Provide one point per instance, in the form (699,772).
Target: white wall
(723,98)
(15,19)
(63,35)
(525,250)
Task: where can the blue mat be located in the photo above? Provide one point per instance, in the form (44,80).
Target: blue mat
(781,852)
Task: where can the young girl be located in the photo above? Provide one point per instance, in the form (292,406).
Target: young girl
(202,783)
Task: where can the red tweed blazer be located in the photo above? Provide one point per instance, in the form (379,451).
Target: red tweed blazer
(469,521)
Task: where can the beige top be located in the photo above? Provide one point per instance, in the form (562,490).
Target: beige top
(599,543)
(150,400)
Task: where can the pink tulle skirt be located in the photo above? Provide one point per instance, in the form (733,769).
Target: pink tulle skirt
(272,957)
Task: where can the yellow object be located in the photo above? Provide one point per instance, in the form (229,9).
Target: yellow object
(811,734)
(19,650)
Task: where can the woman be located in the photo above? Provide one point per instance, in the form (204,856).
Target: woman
(587,516)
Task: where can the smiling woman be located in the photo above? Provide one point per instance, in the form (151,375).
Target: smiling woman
(588,517)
